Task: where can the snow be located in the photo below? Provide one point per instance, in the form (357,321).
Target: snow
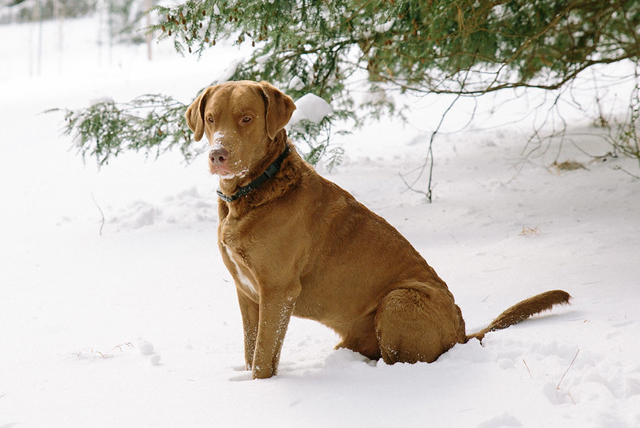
(131,320)
(383,28)
(296,83)
(310,107)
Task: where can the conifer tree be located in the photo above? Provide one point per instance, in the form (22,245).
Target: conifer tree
(464,47)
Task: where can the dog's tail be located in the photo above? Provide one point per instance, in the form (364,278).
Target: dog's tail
(523,310)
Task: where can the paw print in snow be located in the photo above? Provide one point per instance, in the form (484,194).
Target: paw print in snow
(146,348)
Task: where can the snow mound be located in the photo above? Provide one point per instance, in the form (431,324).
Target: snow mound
(310,107)
(187,207)
(296,83)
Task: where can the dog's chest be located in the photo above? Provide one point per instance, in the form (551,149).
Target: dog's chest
(236,266)
(234,257)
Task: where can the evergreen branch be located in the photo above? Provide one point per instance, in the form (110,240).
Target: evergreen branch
(464,47)
(149,123)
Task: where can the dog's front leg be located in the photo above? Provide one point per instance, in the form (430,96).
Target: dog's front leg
(250,312)
(275,313)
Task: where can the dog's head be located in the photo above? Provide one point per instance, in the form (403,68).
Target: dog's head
(241,121)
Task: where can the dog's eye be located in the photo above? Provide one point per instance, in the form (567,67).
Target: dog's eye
(246,119)
(210,119)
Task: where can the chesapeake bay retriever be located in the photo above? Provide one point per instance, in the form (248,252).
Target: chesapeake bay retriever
(297,244)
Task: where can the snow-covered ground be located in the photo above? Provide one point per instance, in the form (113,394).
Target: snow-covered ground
(134,322)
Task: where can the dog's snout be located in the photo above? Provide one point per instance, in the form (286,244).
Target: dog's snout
(219,156)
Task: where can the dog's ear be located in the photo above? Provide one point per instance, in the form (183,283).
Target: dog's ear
(280,107)
(195,113)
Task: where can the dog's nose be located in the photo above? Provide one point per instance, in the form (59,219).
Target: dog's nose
(219,156)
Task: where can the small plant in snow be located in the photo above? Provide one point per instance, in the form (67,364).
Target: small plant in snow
(90,352)
(529,231)
(626,139)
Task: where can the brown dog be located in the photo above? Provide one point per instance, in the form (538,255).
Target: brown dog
(297,244)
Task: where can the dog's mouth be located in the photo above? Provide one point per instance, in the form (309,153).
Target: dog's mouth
(224,172)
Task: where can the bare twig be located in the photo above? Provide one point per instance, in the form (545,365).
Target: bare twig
(428,161)
(568,368)
(525,364)
(101,213)
(619,168)
(410,186)
(127,344)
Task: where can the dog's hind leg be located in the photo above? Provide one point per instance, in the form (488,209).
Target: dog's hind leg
(360,336)
(417,324)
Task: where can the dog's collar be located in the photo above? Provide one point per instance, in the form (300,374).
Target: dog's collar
(270,172)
